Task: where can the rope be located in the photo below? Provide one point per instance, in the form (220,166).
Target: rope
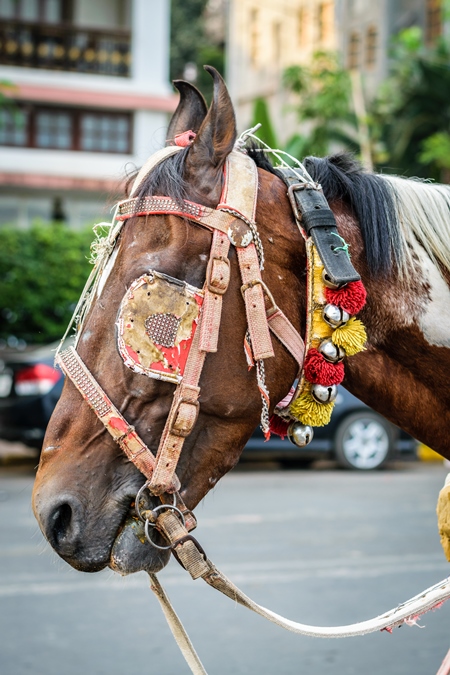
(177,628)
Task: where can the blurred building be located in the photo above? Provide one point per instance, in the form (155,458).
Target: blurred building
(90,85)
(265,37)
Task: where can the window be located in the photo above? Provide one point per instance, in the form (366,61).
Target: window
(434,20)
(353,50)
(46,11)
(104,133)
(66,129)
(276,30)
(325,21)
(54,130)
(302,27)
(254,37)
(371,46)
(14,127)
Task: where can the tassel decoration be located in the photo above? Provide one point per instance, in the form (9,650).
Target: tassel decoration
(319,371)
(278,426)
(351,297)
(307,411)
(351,336)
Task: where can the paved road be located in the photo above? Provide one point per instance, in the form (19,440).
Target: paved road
(324,547)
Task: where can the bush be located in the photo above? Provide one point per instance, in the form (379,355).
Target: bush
(42,273)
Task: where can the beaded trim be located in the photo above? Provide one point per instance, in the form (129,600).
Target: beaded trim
(146,205)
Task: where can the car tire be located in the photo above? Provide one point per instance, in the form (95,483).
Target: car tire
(364,441)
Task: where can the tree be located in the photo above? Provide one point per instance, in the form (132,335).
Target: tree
(324,104)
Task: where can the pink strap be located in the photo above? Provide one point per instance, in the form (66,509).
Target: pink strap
(217,280)
(280,326)
(255,309)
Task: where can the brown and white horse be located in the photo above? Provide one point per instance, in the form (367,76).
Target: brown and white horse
(398,232)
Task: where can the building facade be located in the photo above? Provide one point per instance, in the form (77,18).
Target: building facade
(265,37)
(91,97)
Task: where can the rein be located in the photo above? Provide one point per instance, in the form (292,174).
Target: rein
(196,329)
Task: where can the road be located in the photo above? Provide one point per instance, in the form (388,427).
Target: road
(322,547)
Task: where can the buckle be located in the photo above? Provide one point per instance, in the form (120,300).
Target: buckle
(245,287)
(218,274)
(184,417)
(297,187)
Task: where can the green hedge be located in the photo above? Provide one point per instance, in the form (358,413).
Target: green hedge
(42,272)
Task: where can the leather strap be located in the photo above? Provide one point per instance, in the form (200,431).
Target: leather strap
(316,220)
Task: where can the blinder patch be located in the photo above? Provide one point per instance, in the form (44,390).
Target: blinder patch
(156,324)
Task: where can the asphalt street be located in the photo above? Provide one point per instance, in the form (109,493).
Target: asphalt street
(322,547)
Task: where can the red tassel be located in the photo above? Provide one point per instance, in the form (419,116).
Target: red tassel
(278,426)
(319,371)
(351,297)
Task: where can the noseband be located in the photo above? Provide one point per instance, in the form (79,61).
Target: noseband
(166,335)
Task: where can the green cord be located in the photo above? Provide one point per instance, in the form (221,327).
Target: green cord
(344,246)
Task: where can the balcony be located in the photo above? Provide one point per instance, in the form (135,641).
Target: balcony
(65,48)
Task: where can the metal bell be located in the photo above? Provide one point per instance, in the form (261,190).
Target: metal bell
(300,434)
(335,316)
(331,352)
(327,281)
(324,394)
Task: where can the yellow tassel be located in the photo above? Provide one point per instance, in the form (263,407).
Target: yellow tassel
(443,513)
(307,411)
(351,336)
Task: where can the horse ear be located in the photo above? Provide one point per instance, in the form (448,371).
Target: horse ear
(191,110)
(217,135)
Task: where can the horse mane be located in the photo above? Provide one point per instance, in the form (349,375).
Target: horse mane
(393,213)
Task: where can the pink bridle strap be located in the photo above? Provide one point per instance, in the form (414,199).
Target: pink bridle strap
(123,433)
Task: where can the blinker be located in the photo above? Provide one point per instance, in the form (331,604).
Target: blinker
(156,324)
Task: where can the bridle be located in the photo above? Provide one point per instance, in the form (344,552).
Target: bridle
(231,223)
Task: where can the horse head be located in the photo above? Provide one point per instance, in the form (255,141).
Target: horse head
(85,486)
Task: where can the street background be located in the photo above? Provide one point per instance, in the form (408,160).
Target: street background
(322,547)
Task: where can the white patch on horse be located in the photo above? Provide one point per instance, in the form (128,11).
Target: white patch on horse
(107,271)
(203,257)
(435,320)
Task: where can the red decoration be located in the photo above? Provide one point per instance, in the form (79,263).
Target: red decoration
(184,139)
(278,426)
(319,371)
(351,297)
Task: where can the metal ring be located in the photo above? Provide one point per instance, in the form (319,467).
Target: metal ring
(138,497)
(171,507)
(150,540)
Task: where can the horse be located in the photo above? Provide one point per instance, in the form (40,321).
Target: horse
(397,231)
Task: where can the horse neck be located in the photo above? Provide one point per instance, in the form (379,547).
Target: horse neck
(404,372)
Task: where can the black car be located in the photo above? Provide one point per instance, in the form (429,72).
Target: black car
(29,389)
(357,437)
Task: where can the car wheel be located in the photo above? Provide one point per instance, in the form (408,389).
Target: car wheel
(364,441)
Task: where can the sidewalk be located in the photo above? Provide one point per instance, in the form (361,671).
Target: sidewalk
(16,453)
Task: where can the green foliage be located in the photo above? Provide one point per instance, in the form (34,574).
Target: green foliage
(412,111)
(189,43)
(324,101)
(261,116)
(42,273)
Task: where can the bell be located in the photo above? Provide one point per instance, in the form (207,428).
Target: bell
(327,281)
(299,434)
(324,394)
(331,352)
(335,316)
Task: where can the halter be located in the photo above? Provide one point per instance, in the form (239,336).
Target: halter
(232,222)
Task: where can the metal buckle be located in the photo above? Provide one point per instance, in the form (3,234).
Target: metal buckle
(183,433)
(255,282)
(210,286)
(297,187)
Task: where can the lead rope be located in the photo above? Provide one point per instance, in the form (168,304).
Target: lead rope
(199,566)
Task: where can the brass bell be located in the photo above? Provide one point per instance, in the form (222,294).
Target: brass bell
(323,394)
(335,316)
(331,352)
(300,434)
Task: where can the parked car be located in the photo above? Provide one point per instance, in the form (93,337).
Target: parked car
(357,437)
(29,389)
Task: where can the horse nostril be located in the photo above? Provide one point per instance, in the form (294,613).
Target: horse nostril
(61,522)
